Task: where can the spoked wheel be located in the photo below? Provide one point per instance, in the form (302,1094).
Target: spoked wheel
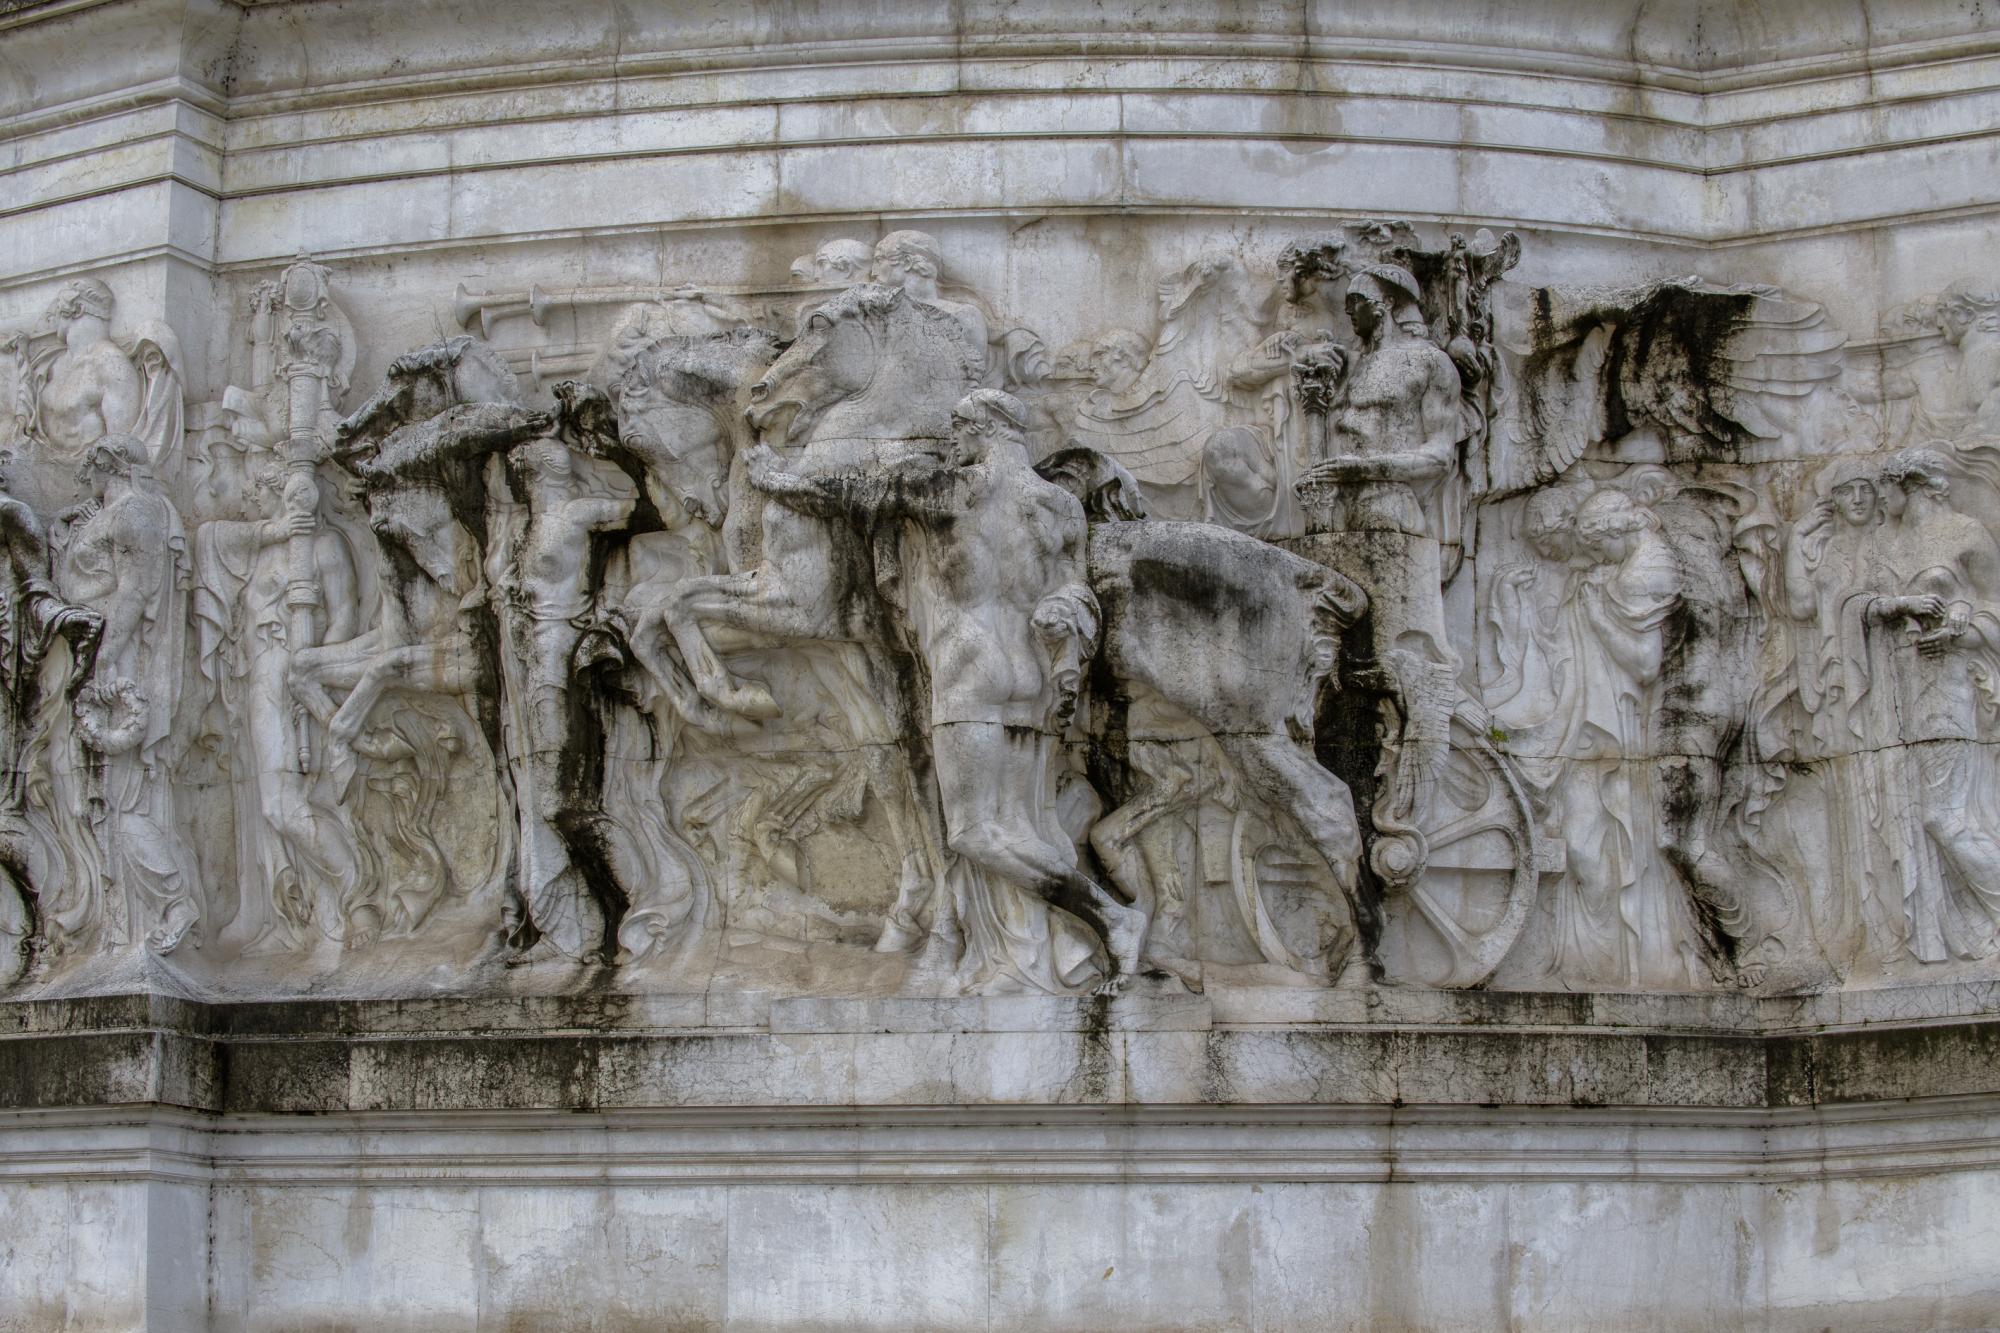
(1454,922)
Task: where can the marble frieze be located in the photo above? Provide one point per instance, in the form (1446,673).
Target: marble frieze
(1249,664)
(1357,614)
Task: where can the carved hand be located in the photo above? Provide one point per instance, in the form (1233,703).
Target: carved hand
(1936,642)
(1510,594)
(585,416)
(1927,606)
(83,628)
(1334,471)
(761,466)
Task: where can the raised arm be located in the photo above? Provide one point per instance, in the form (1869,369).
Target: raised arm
(918,488)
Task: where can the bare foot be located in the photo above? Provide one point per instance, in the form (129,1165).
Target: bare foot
(166,937)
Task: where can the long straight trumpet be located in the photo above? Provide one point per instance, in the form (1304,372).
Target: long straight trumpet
(488,308)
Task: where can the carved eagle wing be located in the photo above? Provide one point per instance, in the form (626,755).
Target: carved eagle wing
(1708,368)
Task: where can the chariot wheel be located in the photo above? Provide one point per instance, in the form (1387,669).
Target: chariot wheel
(1453,922)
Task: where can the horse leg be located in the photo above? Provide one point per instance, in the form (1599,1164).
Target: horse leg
(760,610)
(922,847)
(648,639)
(337,665)
(1115,839)
(717,599)
(1285,774)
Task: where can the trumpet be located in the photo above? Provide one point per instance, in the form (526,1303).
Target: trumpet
(488,308)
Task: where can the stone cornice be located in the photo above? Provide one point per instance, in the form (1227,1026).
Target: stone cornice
(1384,1049)
(996,1144)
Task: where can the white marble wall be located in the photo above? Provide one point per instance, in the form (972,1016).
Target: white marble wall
(1065,158)
(1564,1220)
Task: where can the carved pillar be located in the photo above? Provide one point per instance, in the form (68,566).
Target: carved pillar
(310,346)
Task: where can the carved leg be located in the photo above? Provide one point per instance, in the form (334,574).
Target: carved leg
(338,665)
(20,923)
(1286,775)
(1115,840)
(741,601)
(915,825)
(987,786)
(437,668)
(1945,772)
(316,843)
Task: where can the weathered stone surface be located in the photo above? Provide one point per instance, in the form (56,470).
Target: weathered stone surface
(1153,665)
(570,1055)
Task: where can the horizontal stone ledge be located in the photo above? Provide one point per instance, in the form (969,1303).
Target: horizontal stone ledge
(1724,1013)
(1180,1144)
(607,1053)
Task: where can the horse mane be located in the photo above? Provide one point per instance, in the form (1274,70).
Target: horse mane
(484,355)
(872,300)
(444,357)
(686,349)
(749,336)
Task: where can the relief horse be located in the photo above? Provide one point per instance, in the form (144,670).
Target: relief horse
(872,376)
(418,447)
(1232,632)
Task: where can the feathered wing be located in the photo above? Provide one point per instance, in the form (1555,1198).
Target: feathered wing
(1710,368)
(1569,410)
(1207,316)
(1714,368)
(1783,349)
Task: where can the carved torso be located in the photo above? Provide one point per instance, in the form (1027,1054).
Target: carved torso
(91,392)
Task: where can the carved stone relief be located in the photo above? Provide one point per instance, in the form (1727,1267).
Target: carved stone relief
(1353,614)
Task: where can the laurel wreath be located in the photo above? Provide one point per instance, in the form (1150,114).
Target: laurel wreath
(111,716)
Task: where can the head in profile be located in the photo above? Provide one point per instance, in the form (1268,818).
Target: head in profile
(1550,522)
(990,422)
(1920,474)
(843,260)
(1381,297)
(1117,358)
(544,462)
(1963,306)
(112,459)
(1609,526)
(82,298)
(905,257)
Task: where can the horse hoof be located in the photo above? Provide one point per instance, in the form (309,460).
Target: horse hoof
(383,745)
(753,701)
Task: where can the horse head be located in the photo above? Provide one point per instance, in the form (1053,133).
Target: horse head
(679,405)
(837,355)
(418,385)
